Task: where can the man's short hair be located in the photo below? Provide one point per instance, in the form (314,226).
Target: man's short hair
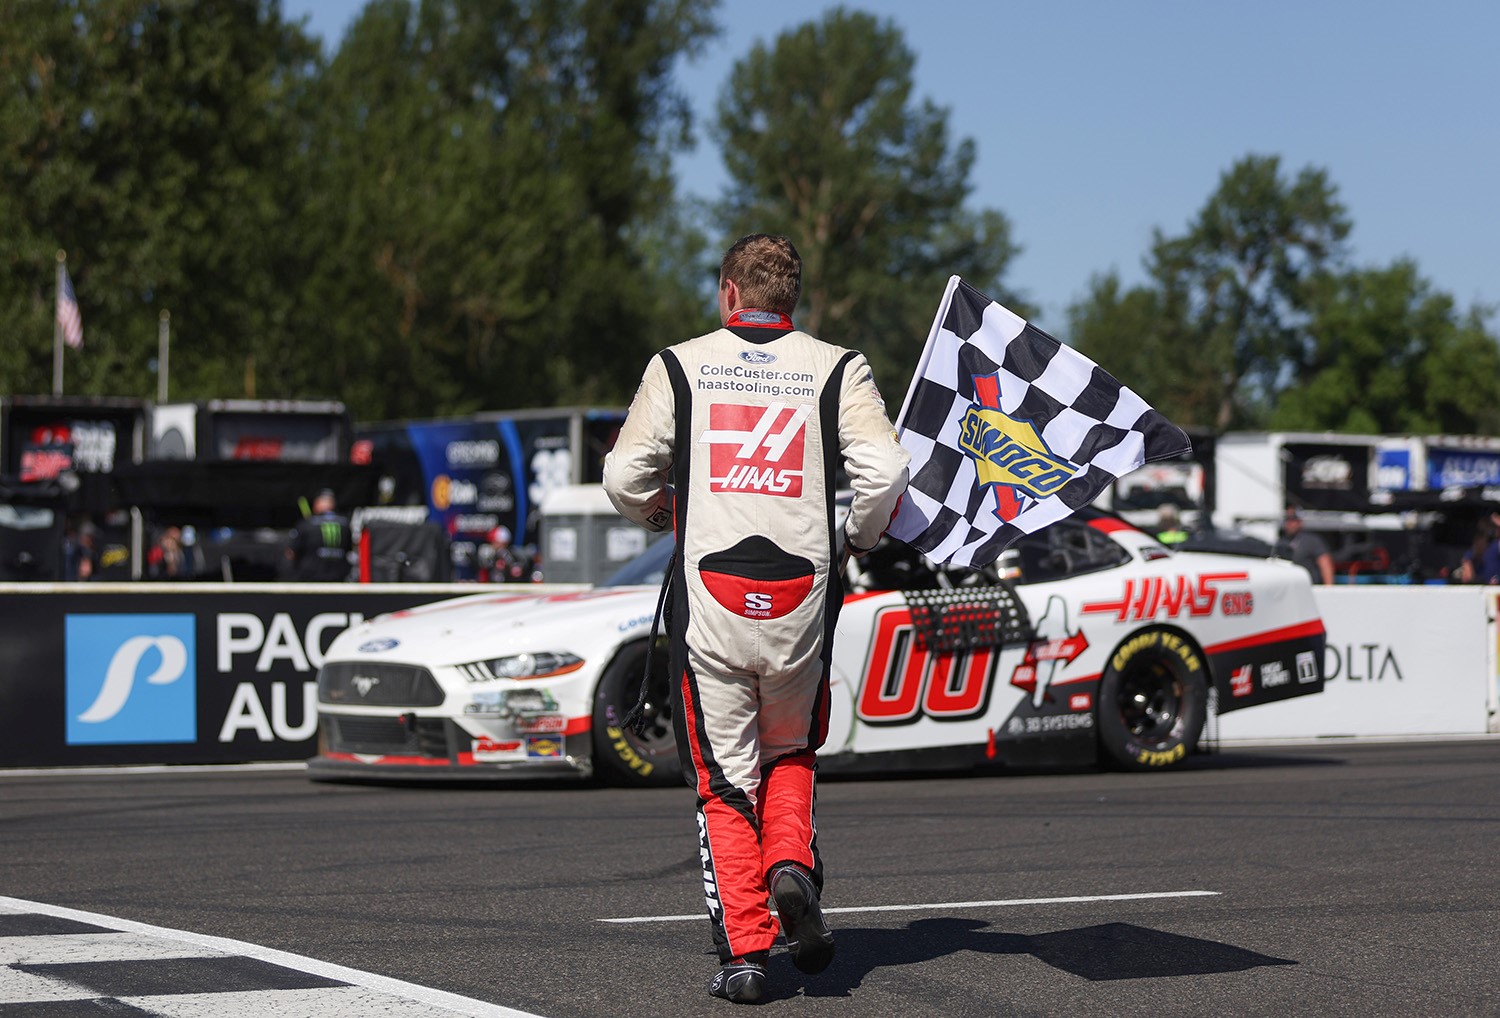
(768,271)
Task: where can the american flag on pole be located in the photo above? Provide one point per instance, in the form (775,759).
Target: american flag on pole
(68,318)
(1009,431)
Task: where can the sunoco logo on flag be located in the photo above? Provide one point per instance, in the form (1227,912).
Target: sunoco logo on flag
(1010,431)
(1011,455)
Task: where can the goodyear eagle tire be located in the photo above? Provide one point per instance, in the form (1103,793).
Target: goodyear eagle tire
(1153,698)
(622,757)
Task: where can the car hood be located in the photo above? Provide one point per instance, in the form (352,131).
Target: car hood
(1226,562)
(489,625)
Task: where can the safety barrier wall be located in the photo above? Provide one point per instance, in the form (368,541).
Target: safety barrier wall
(1401,662)
(137,673)
(181,673)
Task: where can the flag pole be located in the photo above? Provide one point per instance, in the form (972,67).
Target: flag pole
(57,336)
(937,324)
(163,346)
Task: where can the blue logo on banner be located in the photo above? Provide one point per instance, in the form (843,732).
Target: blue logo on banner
(1457,468)
(1393,470)
(131,679)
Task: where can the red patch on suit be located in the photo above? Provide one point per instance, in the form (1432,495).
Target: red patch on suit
(757,599)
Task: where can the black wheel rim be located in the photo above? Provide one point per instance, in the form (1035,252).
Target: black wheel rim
(1150,702)
(656,733)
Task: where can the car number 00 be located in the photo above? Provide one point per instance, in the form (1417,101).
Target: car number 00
(904,680)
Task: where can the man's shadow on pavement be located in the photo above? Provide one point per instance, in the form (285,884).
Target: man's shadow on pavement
(1108,951)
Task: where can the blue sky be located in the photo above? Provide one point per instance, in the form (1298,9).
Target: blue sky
(1097,122)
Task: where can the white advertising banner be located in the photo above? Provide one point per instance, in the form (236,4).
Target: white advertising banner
(1492,610)
(1401,661)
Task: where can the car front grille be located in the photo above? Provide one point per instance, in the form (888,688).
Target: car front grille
(387,736)
(378,684)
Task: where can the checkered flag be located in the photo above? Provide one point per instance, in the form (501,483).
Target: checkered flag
(1010,431)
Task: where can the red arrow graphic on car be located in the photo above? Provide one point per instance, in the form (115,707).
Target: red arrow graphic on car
(1060,646)
(1058,650)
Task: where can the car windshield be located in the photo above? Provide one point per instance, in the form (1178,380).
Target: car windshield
(22,517)
(649,567)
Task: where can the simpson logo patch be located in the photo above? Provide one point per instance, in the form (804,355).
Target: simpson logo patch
(756,448)
(756,579)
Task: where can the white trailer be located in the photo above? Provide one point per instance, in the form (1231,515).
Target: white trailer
(1259,475)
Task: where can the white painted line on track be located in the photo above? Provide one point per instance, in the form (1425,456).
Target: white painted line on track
(999,903)
(330,1002)
(90,947)
(368,980)
(78,772)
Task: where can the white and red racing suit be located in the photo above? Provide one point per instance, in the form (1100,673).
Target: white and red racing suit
(735,438)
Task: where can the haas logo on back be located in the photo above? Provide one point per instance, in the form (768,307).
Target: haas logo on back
(756,449)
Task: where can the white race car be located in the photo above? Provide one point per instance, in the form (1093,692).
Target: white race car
(1089,642)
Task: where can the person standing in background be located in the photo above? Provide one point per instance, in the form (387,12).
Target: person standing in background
(1169,528)
(80,551)
(165,560)
(321,543)
(1307,550)
(500,561)
(1489,562)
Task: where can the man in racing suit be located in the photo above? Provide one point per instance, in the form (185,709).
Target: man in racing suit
(735,438)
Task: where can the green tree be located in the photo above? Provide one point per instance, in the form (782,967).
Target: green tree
(824,143)
(1393,356)
(1239,280)
(1139,337)
(494,198)
(1221,326)
(150,140)
(1253,318)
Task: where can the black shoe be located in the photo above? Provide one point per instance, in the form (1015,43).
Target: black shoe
(740,980)
(801,919)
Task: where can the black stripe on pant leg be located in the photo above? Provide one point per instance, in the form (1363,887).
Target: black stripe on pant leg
(833,594)
(719,785)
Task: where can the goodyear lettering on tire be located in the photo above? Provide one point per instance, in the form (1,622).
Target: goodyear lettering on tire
(1167,641)
(1133,646)
(623,750)
(1155,758)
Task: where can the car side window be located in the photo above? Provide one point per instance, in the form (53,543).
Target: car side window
(894,565)
(1066,548)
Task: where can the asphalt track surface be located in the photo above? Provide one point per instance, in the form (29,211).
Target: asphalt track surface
(1347,880)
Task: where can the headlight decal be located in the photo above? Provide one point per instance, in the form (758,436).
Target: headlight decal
(540,665)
